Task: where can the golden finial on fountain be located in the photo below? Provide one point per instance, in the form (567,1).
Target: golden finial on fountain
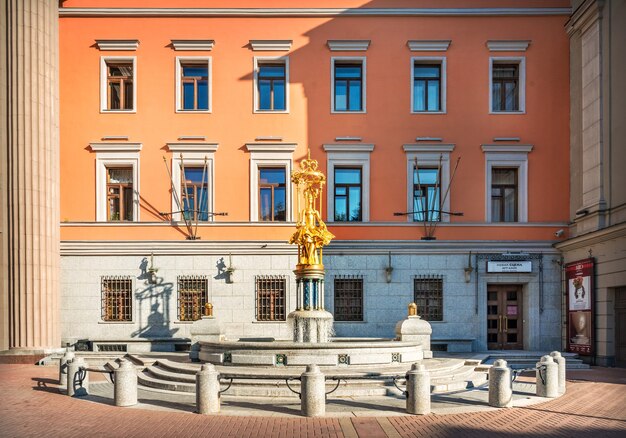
(311,232)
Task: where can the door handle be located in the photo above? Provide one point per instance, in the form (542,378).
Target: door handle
(506,323)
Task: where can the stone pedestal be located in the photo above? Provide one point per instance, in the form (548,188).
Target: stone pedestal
(206,329)
(77,378)
(68,356)
(125,386)
(311,325)
(547,377)
(562,366)
(418,390)
(414,328)
(208,390)
(313,392)
(500,391)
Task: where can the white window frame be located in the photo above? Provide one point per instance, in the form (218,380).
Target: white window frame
(518,160)
(428,158)
(348,155)
(442,61)
(103,83)
(277,155)
(200,60)
(260,60)
(521,62)
(354,60)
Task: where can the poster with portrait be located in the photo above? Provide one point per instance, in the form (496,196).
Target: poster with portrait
(579,279)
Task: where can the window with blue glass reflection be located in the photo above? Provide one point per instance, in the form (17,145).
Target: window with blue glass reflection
(505,87)
(426,87)
(272,194)
(195,87)
(426,195)
(348,87)
(195,191)
(348,194)
(271,87)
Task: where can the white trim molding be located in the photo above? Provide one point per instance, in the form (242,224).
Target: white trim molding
(271,45)
(521,62)
(508,156)
(278,155)
(428,156)
(204,45)
(103,83)
(508,46)
(348,155)
(195,147)
(362,60)
(348,45)
(115,147)
(117,44)
(260,60)
(428,45)
(441,60)
(115,158)
(199,60)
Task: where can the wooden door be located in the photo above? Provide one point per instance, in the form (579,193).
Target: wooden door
(620,327)
(504,317)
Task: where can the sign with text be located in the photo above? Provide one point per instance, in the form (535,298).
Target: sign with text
(509,266)
(579,278)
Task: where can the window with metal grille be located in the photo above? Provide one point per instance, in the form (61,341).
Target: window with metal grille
(270,298)
(117,298)
(428,295)
(192,296)
(348,298)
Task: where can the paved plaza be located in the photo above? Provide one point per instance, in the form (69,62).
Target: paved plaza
(31,405)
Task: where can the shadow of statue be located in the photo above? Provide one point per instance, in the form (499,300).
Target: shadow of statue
(222,274)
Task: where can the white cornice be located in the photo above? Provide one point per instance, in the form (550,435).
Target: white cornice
(508,46)
(115,147)
(348,147)
(435,147)
(271,147)
(507,147)
(192,147)
(271,45)
(348,45)
(117,44)
(306,12)
(205,45)
(428,46)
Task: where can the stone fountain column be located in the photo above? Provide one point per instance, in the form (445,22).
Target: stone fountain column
(310,321)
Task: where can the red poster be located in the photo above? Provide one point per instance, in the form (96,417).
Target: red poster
(579,277)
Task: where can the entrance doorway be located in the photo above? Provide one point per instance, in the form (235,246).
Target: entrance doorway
(620,327)
(504,317)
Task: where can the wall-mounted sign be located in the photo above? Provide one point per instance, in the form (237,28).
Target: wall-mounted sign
(579,277)
(509,266)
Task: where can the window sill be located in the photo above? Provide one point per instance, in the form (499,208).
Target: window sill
(258,111)
(269,322)
(429,112)
(332,111)
(106,111)
(181,111)
(183,322)
(507,112)
(116,322)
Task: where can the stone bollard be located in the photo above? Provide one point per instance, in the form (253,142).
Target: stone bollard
(500,391)
(418,390)
(562,364)
(69,355)
(76,370)
(208,390)
(313,392)
(547,377)
(125,384)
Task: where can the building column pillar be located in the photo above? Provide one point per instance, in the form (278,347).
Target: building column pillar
(29,176)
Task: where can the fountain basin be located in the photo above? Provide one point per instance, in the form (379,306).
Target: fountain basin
(339,352)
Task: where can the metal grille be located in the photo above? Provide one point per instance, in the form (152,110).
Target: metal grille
(348,298)
(428,295)
(192,296)
(270,298)
(117,298)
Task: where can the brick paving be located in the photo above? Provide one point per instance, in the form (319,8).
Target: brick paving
(31,406)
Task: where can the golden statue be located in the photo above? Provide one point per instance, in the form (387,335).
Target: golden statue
(311,232)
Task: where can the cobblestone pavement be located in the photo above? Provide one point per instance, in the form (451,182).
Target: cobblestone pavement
(31,405)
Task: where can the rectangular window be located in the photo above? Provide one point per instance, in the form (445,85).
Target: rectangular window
(348,86)
(348,191)
(426,87)
(504,194)
(426,195)
(271,86)
(270,298)
(505,87)
(120,91)
(272,194)
(195,193)
(119,194)
(117,298)
(192,296)
(348,299)
(428,295)
(194,84)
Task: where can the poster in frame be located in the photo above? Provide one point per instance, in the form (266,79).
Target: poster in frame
(579,278)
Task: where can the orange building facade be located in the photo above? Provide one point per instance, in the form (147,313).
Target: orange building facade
(453,115)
